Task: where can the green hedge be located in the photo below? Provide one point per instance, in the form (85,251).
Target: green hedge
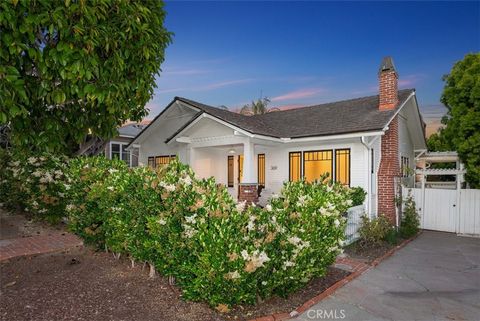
(219,251)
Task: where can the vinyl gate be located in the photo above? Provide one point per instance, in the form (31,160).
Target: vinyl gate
(448,210)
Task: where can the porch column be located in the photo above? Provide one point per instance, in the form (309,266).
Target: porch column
(191,157)
(248,190)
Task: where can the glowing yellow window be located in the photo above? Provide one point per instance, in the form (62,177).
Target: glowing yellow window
(295,166)
(316,164)
(342,166)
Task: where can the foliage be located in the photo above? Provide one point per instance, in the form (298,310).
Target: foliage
(68,68)
(258,107)
(374,232)
(461,96)
(357,195)
(37,184)
(219,251)
(86,218)
(410,222)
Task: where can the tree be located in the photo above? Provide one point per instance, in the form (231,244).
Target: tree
(461,96)
(258,107)
(69,69)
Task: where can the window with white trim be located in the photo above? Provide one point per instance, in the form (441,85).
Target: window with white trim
(119,151)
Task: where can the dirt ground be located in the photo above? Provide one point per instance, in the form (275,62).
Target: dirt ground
(84,284)
(14,225)
(368,254)
(90,286)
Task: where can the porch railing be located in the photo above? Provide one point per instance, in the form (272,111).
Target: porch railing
(354,220)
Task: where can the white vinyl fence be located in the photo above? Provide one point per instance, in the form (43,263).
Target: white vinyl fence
(448,210)
(354,220)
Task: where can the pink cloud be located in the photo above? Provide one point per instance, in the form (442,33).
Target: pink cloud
(223,84)
(299,94)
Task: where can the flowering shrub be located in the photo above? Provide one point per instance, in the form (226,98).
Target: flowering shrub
(36,183)
(86,218)
(218,251)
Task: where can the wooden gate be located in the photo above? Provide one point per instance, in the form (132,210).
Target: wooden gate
(448,210)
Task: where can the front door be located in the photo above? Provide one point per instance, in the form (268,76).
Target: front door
(240,172)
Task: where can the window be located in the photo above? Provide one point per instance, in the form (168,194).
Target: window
(119,151)
(295,169)
(230,171)
(316,164)
(151,162)
(163,160)
(405,166)
(156,161)
(342,166)
(261,169)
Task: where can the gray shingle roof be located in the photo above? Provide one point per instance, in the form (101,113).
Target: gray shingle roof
(131,130)
(341,117)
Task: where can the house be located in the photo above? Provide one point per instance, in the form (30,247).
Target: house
(367,142)
(117,146)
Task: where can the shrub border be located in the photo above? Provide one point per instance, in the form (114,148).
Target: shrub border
(359,269)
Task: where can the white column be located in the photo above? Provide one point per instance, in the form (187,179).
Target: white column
(191,157)
(248,163)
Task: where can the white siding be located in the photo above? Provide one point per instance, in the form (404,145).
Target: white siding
(152,142)
(405,145)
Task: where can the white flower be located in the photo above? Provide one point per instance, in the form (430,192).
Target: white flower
(241,206)
(70,207)
(67,187)
(288,264)
(295,240)
(268,207)
(34,204)
(337,223)
(188,232)
(110,188)
(32,160)
(275,196)
(112,170)
(42,211)
(161,221)
(233,275)
(244,254)
(341,242)
(349,202)
(191,219)
(61,194)
(37,173)
(186,180)
(264,282)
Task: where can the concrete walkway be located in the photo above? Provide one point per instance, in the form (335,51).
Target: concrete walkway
(435,277)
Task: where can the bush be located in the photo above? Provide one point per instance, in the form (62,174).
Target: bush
(36,183)
(86,218)
(410,223)
(374,232)
(357,195)
(219,251)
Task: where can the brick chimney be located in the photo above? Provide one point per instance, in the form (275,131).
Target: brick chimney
(389,161)
(388,85)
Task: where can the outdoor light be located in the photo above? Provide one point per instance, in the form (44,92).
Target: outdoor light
(231,151)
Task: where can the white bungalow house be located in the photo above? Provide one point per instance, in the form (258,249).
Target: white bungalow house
(363,142)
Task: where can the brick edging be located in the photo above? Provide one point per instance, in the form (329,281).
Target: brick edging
(330,290)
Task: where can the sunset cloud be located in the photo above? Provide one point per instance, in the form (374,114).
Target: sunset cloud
(299,94)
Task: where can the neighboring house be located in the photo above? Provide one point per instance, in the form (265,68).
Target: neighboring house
(117,146)
(367,142)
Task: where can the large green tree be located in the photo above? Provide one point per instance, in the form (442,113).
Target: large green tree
(72,68)
(461,96)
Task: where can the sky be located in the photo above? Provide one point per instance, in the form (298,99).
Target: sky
(304,53)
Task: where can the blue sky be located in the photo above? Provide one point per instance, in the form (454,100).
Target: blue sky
(301,53)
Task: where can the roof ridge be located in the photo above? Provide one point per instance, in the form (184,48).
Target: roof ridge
(292,109)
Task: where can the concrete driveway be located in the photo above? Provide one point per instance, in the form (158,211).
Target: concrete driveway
(435,277)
